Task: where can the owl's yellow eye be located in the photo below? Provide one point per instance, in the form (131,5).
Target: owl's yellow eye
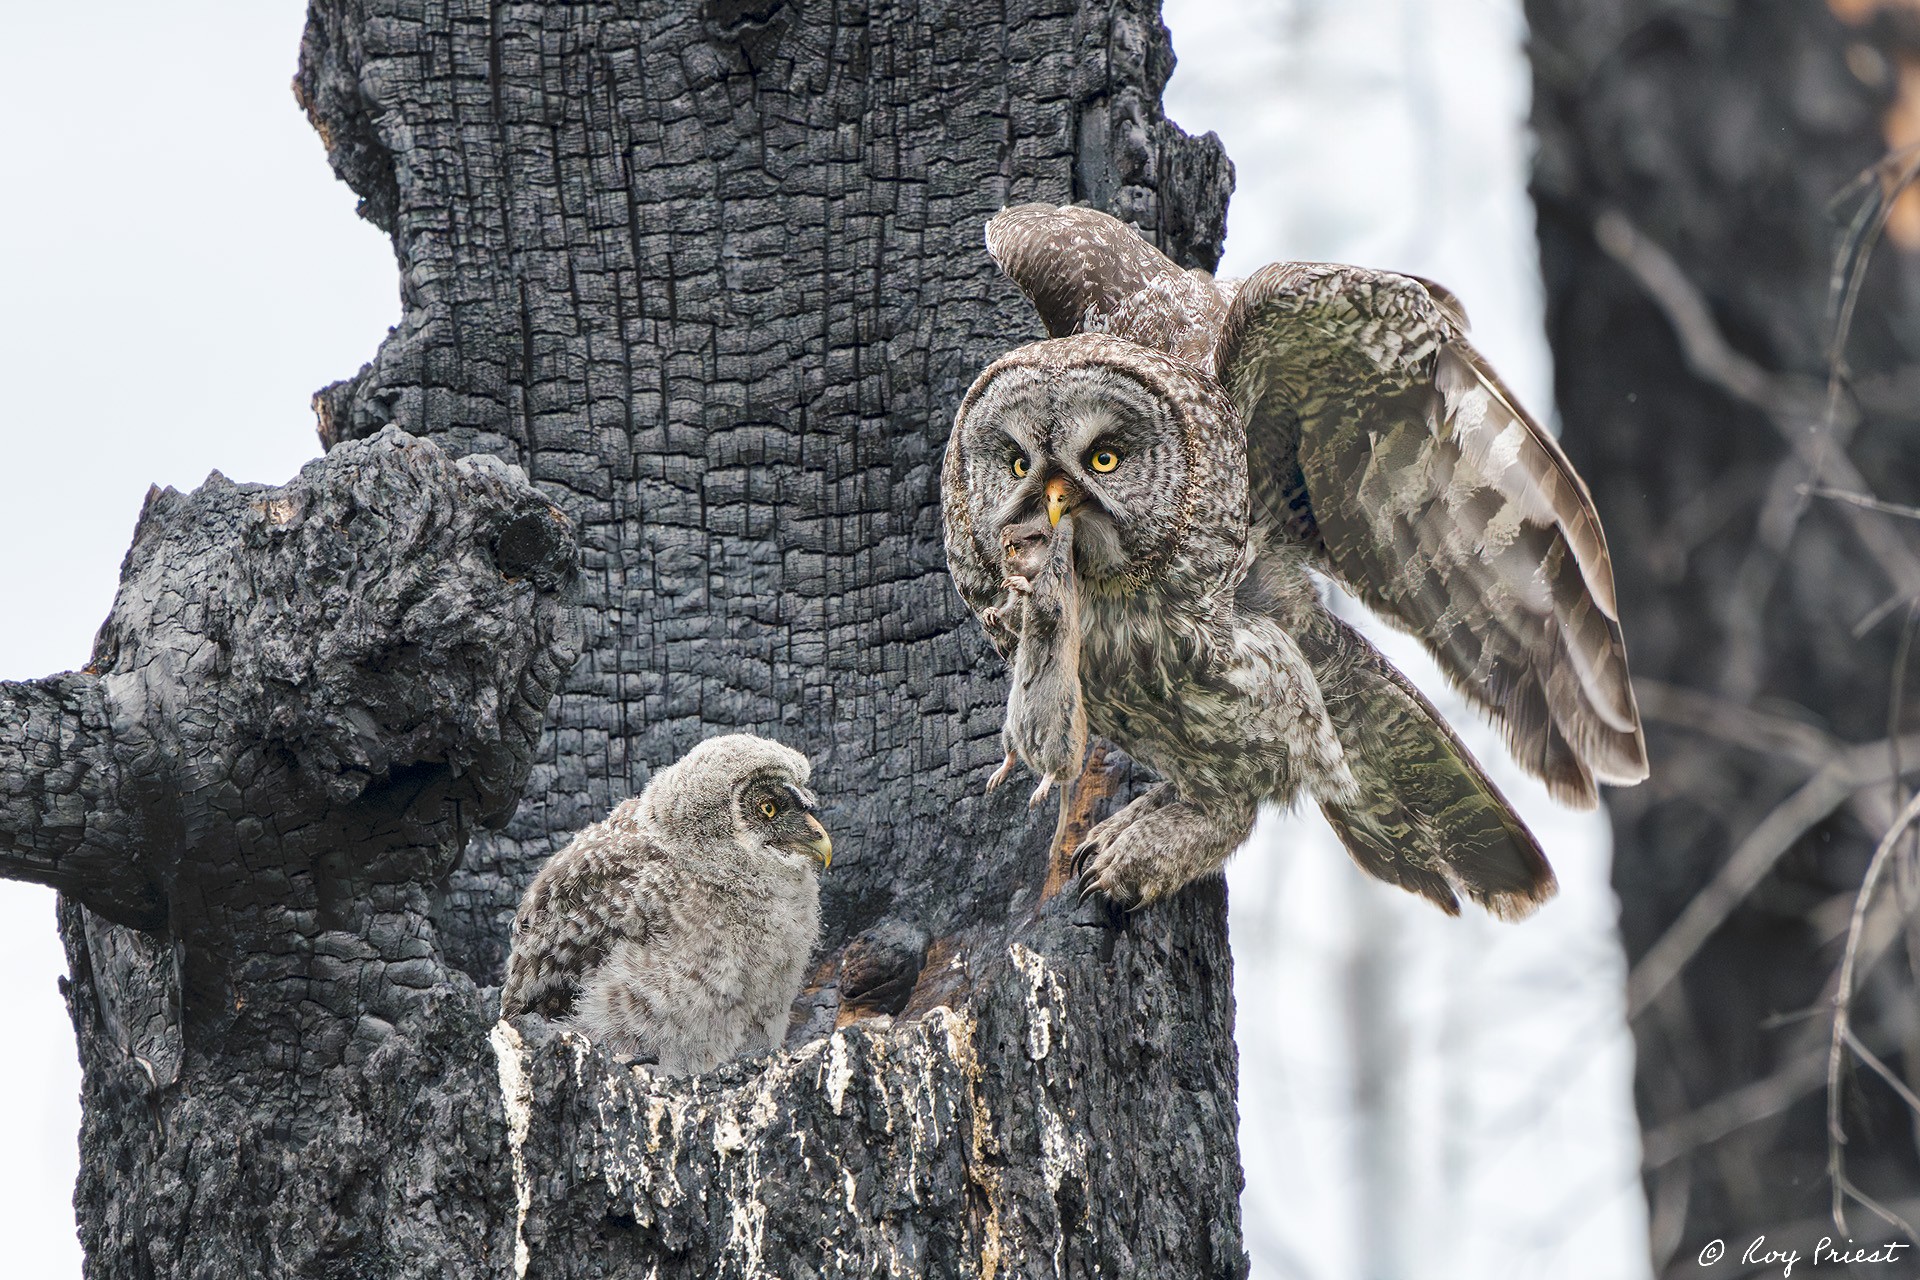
(1019,464)
(1103,460)
(769,808)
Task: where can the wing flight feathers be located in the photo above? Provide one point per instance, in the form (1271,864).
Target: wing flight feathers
(1087,272)
(1072,261)
(1537,475)
(1437,500)
(1427,818)
(1378,436)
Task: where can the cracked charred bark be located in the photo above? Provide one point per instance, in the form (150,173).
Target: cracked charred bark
(1689,158)
(711,276)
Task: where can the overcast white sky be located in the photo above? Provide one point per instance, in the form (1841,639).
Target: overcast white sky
(181,271)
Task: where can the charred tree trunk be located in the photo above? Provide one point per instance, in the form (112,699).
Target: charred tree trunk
(1690,160)
(710,277)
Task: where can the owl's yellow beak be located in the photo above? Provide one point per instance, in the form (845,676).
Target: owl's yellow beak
(822,843)
(1056,499)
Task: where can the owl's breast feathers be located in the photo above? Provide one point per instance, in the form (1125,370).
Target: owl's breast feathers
(1220,702)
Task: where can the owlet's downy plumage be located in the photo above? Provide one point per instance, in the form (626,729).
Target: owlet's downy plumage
(1209,443)
(677,930)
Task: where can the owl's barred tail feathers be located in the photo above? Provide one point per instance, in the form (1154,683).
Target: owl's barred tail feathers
(1427,818)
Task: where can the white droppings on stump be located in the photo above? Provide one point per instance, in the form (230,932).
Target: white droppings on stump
(516,1099)
(839,1071)
(1033,966)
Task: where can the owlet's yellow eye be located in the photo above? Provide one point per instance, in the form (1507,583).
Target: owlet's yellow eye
(769,808)
(1019,464)
(1103,460)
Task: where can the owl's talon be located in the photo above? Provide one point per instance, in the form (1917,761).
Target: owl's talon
(1094,887)
(1084,855)
(1157,846)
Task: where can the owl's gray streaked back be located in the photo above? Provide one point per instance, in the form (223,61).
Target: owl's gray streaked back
(606,885)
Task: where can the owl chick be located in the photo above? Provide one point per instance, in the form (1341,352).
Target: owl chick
(677,930)
(1046,721)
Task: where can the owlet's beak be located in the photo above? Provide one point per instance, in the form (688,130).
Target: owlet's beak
(821,844)
(1057,497)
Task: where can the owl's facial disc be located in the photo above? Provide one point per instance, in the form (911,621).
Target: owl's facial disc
(1047,436)
(780,813)
(1097,549)
(1109,463)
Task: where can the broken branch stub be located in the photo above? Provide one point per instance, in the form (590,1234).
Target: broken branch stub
(303,700)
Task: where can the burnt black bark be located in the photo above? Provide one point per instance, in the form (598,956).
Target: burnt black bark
(1690,160)
(711,275)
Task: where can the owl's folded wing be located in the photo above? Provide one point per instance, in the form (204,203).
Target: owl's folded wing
(1378,436)
(592,896)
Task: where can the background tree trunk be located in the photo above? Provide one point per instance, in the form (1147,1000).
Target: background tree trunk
(711,276)
(1689,158)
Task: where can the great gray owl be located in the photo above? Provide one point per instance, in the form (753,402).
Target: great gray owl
(1212,441)
(677,930)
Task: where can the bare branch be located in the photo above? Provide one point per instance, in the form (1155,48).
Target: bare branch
(1865,502)
(1885,1072)
(1879,1210)
(1842,1010)
(1733,1111)
(1854,768)
(1796,407)
(1735,723)
(1773,1095)
(1707,352)
(1880,613)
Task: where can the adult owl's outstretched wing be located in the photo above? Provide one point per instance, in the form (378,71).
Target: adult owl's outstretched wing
(1088,272)
(1378,435)
(583,904)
